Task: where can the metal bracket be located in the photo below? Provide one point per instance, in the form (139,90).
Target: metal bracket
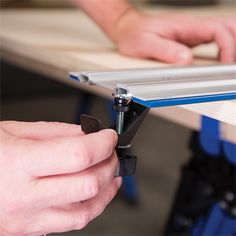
(132,117)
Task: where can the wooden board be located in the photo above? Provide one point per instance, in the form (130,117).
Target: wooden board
(54,42)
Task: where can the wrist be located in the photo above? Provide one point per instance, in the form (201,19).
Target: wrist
(108,14)
(126,20)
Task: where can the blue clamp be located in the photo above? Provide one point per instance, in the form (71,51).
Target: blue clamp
(211,142)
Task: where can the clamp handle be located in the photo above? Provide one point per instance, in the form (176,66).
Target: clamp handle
(127,163)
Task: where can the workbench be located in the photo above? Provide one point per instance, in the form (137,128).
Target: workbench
(55,42)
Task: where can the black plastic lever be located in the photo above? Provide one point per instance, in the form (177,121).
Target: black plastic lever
(90,124)
(127,164)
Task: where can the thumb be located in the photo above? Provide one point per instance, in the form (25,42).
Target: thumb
(168,51)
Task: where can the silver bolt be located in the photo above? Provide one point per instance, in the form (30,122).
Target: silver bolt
(120,122)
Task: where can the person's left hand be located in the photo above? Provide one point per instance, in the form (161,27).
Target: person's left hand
(169,38)
(53,177)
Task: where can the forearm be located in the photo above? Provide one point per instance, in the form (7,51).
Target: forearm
(106,13)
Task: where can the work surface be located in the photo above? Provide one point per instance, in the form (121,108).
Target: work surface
(54,42)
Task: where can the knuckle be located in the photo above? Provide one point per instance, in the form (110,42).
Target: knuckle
(83,221)
(218,27)
(110,194)
(91,186)
(82,156)
(141,46)
(139,41)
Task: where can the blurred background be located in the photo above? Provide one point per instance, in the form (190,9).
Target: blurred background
(140,209)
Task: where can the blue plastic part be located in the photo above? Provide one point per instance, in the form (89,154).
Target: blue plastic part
(209,136)
(185,100)
(197,228)
(130,188)
(73,77)
(228,226)
(211,143)
(214,221)
(229,150)
(219,223)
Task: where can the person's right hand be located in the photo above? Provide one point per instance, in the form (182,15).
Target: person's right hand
(53,178)
(168,38)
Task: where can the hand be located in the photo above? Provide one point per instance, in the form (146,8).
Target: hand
(169,38)
(53,178)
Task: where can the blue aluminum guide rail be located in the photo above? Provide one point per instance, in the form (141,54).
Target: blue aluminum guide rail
(185,100)
(176,100)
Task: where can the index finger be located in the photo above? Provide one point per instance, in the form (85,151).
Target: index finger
(41,130)
(68,154)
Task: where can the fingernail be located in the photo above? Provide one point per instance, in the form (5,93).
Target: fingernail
(114,134)
(109,131)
